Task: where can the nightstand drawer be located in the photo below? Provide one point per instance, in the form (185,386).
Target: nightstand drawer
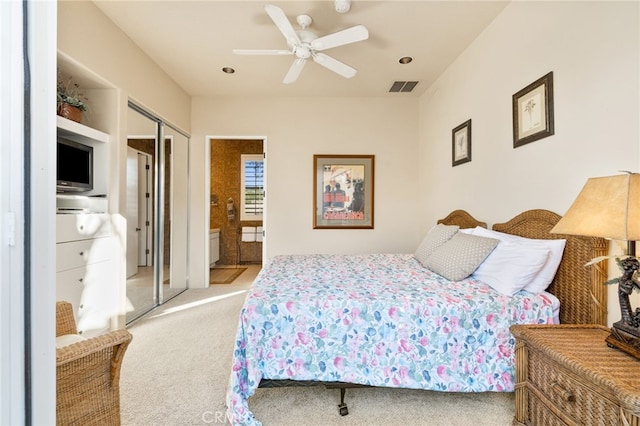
(566,374)
(541,413)
(573,396)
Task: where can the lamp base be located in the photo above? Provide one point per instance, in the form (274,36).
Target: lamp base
(625,338)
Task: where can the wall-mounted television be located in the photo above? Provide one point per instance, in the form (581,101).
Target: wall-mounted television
(74,166)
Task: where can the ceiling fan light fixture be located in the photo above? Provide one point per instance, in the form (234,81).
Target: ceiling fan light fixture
(342,6)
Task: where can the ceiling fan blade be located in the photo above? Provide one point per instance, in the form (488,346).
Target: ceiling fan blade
(294,71)
(350,35)
(334,65)
(280,19)
(262,52)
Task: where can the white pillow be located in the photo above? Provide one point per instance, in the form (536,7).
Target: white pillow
(437,236)
(511,266)
(544,277)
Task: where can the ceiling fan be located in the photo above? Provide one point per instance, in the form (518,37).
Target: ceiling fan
(305,44)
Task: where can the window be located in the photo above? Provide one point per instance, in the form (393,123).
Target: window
(252,190)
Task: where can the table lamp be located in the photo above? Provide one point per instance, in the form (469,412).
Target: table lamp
(609,207)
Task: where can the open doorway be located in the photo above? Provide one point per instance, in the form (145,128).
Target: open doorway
(237,179)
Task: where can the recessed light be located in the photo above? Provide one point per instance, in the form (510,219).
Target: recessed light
(228,70)
(405,60)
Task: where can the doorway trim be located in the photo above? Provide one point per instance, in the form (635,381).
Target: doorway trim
(207,190)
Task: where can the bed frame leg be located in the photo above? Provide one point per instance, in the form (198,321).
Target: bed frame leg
(342,408)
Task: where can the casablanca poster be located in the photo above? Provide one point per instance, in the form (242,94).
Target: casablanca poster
(343,191)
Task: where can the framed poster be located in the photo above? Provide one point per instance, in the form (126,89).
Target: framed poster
(533,111)
(461,144)
(343,191)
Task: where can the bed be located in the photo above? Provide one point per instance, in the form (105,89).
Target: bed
(387,320)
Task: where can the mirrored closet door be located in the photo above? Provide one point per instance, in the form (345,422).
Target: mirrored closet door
(157,211)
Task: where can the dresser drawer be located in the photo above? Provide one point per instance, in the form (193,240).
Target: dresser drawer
(76,254)
(73,227)
(70,285)
(92,300)
(573,396)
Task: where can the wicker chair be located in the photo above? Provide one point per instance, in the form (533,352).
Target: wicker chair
(88,374)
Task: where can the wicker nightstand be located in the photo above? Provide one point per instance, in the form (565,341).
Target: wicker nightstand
(567,375)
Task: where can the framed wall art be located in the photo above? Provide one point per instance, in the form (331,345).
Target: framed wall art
(343,191)
(533,111)
(461,144)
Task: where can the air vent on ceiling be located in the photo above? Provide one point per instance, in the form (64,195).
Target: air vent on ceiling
(403,86)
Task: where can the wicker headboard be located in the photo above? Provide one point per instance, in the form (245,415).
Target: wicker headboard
(580,289)
(462,219)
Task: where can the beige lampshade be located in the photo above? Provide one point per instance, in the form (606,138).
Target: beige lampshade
(607,207)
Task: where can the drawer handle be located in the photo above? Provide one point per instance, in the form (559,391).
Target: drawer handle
(81,253)
(564,393)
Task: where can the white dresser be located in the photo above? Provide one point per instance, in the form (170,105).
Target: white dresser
(86,269)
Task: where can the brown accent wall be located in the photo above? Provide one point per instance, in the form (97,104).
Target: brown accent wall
(225,184)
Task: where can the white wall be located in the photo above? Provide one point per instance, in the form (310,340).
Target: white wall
(104,50)
(296,129)
(88,36)
(593,50)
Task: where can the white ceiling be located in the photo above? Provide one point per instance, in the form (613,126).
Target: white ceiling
(193,40)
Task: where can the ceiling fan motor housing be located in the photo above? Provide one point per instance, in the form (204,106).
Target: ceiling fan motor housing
(304,49)
(304,21)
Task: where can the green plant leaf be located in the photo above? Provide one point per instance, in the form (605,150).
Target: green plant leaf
(612,281)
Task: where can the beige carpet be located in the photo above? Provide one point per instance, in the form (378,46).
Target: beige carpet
(224,275)
(176,371)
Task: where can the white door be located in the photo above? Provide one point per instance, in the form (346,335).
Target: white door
(145,210)
(133,228)
(139,235)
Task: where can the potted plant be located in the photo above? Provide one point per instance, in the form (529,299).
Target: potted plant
(71,103)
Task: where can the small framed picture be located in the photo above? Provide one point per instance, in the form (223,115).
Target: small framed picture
(461,144)
(343,191)
(533,111)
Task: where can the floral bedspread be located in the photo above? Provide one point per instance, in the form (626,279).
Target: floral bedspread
(379,320)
